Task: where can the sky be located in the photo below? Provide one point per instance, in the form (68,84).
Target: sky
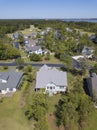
(45,9)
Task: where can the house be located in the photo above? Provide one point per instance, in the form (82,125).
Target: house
(16,35)
(31,42)
(51,80)
(93,38)
(77,61)
(26,36)
(91,84)
(16,45)
(9,81)
(48,29)
(32,47)
(69,30)
(44,32)
(34,34)
(87,52)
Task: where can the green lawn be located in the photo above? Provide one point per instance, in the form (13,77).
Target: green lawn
(30,30)
(12,115)
(52,101)
(85,32)
(24,55)
(52,60)
(92,122)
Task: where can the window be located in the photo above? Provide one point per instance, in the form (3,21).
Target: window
(47,87)
(11,89)
(61,87)
(50,87)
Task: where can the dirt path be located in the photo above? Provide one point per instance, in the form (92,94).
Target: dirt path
(52,123)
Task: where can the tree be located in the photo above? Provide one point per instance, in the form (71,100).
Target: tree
(35,57)
(29,77)
(8,52)
(74,107)
(95,68)
(21,39)
(29,68)
(42,124)
(37,107)
(20,63)
(47,56)
(85,109)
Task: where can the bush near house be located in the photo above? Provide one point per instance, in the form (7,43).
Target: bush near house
(35,57)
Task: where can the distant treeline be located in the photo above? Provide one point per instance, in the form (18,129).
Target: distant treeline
(10,26)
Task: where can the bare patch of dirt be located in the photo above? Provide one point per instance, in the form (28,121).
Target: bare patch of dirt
(22,102)
(52,122)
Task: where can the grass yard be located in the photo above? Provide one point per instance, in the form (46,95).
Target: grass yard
(12,115)
(84,32)
(53,59)
(24,55)
(30,30)
(52,101)
(93,122)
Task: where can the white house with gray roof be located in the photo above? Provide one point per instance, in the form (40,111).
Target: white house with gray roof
(32,47)
(51,79)
(9,81)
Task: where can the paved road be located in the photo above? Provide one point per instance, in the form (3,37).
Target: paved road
(33,64)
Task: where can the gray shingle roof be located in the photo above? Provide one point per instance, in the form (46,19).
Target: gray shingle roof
(34,48)
(4,76)
(13,79)
(47,75)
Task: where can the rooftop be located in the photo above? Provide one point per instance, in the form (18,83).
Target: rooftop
(47,75)
(12,77)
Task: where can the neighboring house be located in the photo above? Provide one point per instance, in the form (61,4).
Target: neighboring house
(26,41)
(69,30)
(44,32)
(32,35)
(16,45)
(87,52)
(91,84)
(31,42)
(26,36)
(76,61)
(16,35)
(93,38)
(9,81)
(49,29)
(32,47)
(51,80)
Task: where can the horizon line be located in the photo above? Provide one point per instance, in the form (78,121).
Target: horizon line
(43,18)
